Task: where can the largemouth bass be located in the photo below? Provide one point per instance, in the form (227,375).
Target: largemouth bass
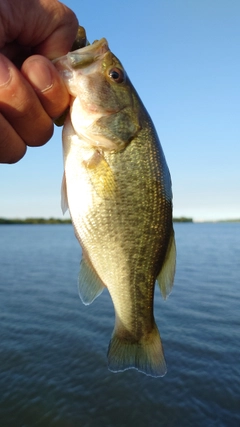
(118,189)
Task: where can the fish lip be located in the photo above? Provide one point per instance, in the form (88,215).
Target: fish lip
(84,56)
(88,54)
(100,46)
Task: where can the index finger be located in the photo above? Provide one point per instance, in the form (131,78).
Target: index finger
(61,36)
(47,27)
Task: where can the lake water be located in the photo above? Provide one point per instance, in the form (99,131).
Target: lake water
(53,364)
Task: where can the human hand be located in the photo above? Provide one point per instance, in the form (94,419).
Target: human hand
(39,30)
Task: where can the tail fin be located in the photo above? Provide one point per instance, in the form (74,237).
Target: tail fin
(146,355)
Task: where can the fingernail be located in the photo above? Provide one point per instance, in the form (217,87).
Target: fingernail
(5,75)
(39,76)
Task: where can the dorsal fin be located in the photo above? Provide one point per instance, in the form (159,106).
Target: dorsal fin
(166,275)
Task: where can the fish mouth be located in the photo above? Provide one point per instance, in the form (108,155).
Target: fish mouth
(88,54)
(82,57)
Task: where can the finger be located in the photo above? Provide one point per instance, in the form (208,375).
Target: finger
(48,84)
(48,27)
(21,107)
(61,26)
(16,53)
(12,147)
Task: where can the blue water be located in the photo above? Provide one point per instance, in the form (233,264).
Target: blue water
(53,365)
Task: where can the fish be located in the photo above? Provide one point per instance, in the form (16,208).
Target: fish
(117,187)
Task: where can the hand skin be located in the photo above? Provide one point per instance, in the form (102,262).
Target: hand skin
(32,96)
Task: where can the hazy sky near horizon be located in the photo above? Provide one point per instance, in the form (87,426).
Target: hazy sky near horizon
(183,58)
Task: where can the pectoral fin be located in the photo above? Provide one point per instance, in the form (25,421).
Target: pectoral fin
(166,275)
(101,176)
(89,284)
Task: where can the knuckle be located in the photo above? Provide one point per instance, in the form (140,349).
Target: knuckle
(38,135)
(12,147)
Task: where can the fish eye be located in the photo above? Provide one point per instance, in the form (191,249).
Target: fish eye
(117,75)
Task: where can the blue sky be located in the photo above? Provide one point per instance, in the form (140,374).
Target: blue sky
(183,58)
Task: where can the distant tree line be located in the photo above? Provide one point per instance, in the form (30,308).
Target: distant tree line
(35,221)
(60,221)
(182,219)
(68,221)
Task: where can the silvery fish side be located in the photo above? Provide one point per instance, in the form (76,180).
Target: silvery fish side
(118,189)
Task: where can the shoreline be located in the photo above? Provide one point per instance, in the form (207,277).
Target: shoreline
(19,221)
